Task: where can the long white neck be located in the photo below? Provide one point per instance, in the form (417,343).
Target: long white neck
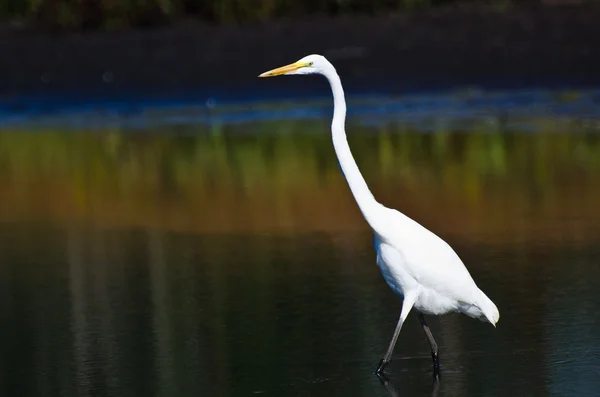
(363,196)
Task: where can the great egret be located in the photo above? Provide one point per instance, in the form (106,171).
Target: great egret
(419,266)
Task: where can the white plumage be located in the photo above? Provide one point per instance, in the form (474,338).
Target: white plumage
(418,266)
(416,262)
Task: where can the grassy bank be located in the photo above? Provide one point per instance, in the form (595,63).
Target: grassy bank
(223,181)
(111,14)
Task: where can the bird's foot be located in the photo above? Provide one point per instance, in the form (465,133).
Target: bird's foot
(436,364)
(380,368)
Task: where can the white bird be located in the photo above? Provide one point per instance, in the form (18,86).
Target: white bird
(418,265)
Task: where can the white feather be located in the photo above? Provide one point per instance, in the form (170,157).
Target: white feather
(418,266)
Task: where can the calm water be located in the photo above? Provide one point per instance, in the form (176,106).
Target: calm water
(139,312)
(203,260)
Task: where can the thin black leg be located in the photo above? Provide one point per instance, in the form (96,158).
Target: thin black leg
(434,347)
(388,354)
(407,304)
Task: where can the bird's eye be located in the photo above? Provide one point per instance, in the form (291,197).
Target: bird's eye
(310,64)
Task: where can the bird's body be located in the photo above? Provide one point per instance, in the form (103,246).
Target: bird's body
(436,277)
(418,265)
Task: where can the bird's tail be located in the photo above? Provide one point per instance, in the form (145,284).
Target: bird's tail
(488,308)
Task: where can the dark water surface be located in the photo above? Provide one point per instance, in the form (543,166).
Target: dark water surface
(139,312)
(206,261)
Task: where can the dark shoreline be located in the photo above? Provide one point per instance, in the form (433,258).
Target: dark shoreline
(527,47)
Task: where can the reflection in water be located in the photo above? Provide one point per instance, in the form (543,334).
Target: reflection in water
(137,312)
(189,261)
(391,389)
(501,186)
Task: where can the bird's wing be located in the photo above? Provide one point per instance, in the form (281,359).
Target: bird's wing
(428,258)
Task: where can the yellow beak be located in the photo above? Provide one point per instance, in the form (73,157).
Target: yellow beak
(284,69)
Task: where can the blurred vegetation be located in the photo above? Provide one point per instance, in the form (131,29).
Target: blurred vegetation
(226,177)
(184,157)
(111,14)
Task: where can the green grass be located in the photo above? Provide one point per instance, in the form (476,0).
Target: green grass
(184,159)
(223,179)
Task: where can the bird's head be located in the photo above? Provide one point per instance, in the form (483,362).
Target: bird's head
(310,64)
